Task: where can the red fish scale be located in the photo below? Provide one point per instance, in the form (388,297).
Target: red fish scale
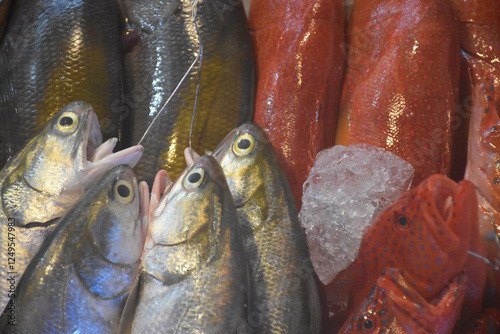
(430,253)
(402,81)
(299,57)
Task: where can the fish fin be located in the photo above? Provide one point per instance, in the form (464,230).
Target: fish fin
(127,317)
(10,141)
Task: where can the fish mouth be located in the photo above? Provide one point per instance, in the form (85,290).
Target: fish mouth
(223,145)
(100,156)
(441,211)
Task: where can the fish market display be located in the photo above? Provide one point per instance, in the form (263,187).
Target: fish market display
(482,169)
(299,50)
(427,234)
(60,51)
(346,189)
(195,268)
(283,292)
(394,306)
(479,25)
(82,276)
(167,47)
(401,83)
(45,179)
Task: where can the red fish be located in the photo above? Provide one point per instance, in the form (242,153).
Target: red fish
(402,81)
(483,170)
(479,25)
(298,47)
(427,233)
(394,306)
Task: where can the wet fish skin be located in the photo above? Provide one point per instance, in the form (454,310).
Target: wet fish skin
(47,177)
(60,51)
(482,170)
(283,292)
(394,306)
(168,45)
(81,278)
(195,269)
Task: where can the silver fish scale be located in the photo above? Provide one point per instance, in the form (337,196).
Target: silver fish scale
(168,46)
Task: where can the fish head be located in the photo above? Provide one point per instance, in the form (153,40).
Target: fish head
(56,166)
(248,160)
(427,233)
(189,227)
(394,306)
(118,216)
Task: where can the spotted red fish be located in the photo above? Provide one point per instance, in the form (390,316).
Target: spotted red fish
(427,233)
(483,170)
(299,53)
(401,83)
(394,306)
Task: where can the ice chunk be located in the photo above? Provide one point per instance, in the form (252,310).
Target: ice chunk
(347,188)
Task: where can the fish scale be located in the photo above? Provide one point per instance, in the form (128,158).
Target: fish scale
(168,45)
(61,51)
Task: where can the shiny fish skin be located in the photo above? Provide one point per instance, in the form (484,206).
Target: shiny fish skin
(401,85)
(46,178)
(81,278)
(167,47)
(394,307)
(283,292)
(195,268)
(60,51)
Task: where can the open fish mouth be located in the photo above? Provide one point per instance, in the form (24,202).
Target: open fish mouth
(100,156)
(442,203)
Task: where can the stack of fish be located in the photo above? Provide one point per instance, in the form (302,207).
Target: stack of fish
(85,248)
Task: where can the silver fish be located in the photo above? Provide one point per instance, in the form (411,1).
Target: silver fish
(48,175)
(195,269)
(80,279)
(284,297)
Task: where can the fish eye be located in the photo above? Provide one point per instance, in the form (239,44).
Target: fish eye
(123,191)
(244,144)
(367,323)
(195,178)
(403,221)
(67,122)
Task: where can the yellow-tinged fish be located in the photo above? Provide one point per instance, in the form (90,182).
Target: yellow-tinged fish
(81,278)
(60,51)
(45,179)
(196,276)
(283,292)
(155,66)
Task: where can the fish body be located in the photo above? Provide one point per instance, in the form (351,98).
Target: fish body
(482,170)
(168,45)
(82,276)
(45,178)
(284,297)
(196,277)
(61,51)
(299,55)
(401,85)
(427,234)
(394,306)
(479,26)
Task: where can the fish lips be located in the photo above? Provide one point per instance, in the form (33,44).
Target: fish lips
(450,211)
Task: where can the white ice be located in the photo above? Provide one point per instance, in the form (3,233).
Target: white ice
(346,189)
